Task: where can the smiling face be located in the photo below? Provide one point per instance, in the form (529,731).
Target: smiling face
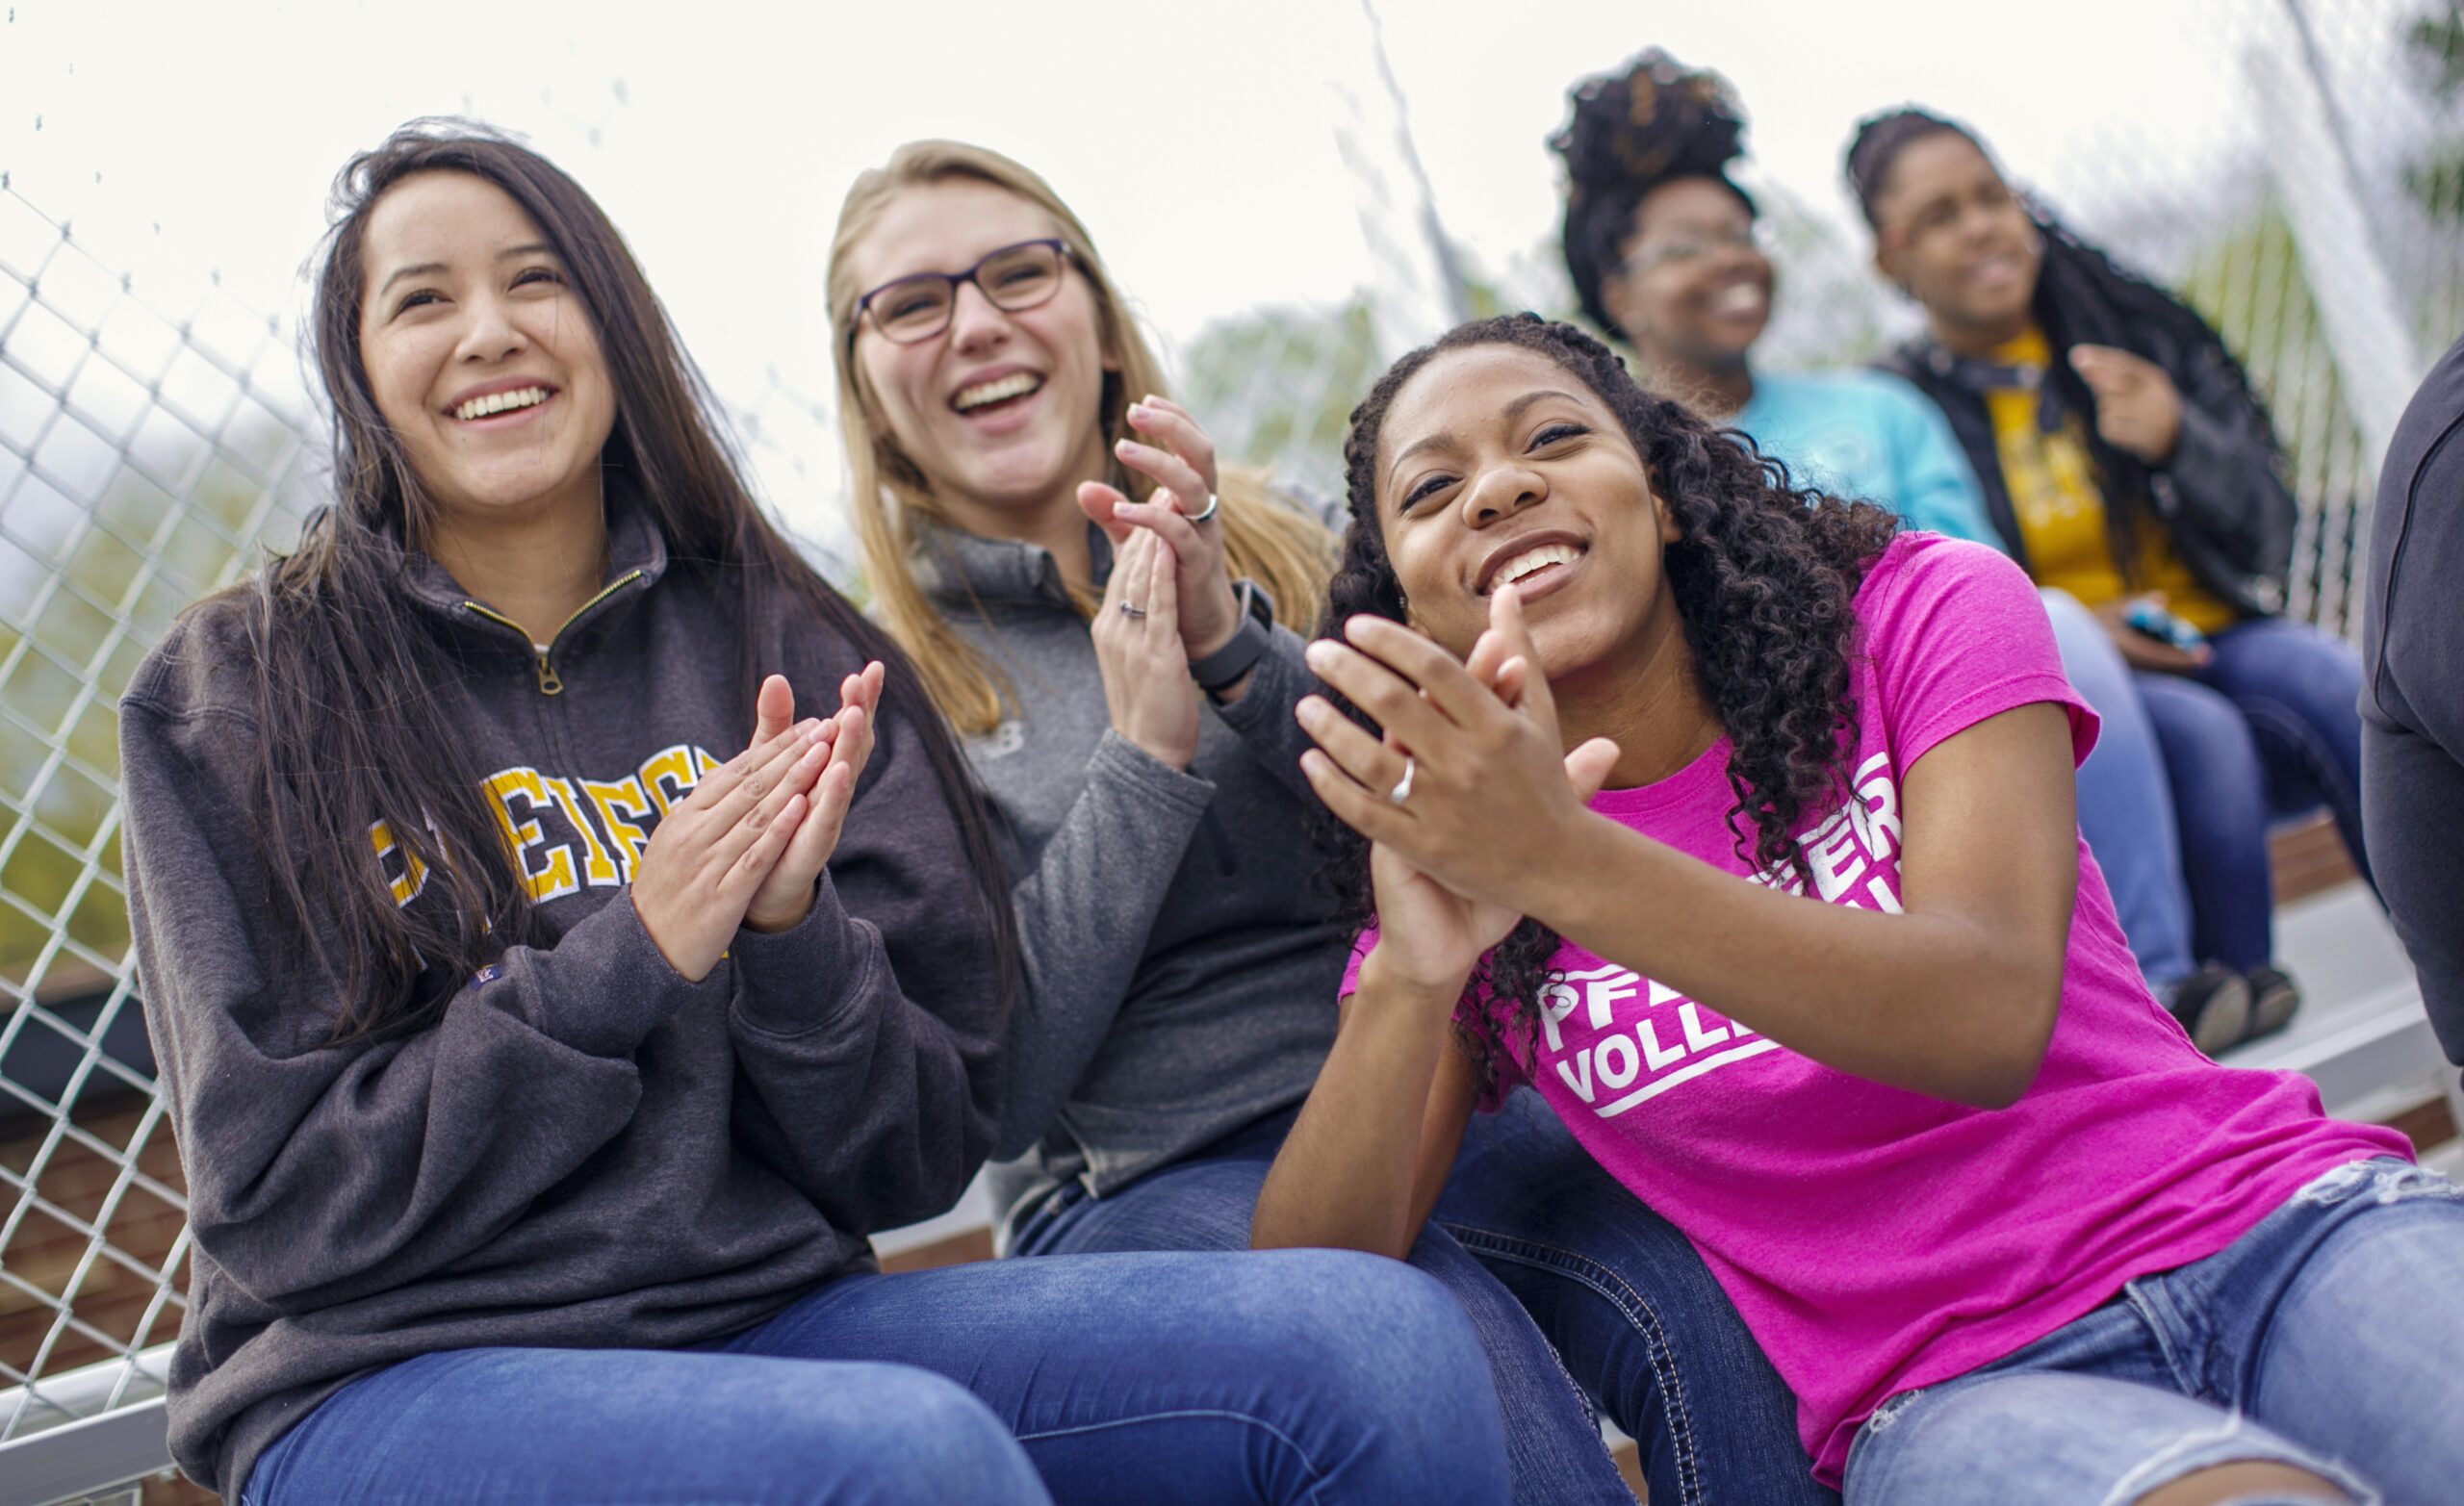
(1494,463)
(481,358)
(1949,230)
(1001,411)
(1693,293)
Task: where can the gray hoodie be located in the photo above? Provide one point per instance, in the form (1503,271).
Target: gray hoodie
(1181,961)
(585,1150)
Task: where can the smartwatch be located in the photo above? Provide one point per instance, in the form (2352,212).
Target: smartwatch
(1248,645)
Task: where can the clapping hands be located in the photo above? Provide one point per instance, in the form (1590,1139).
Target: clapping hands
(1169,599)
(1489,793)
(747,846)
(1175,453)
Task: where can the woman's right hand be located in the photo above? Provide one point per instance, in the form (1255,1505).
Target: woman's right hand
(1438,934)
(2140,652)
(711,851)
(1137,647)
(1472,784)
(785,897)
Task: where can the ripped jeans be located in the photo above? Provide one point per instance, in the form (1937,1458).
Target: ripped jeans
(2327,1338)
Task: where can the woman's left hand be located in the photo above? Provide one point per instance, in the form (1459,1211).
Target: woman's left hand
(1492,796)
(1178,457)
(785,897)
(2139,410)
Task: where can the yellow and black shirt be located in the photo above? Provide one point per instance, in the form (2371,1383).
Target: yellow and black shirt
(2057,500)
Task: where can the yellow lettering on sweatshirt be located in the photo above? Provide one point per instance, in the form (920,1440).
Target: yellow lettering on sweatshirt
(554,879)
(622,804)
(598,865)
(670,775)
(406,884)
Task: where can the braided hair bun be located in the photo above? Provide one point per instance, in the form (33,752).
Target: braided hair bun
(1627,134)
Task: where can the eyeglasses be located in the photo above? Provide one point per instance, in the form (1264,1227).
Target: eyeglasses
(1014,278)
(1692,246)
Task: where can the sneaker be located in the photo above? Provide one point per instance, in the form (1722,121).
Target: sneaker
(2213,1005)
(2274,997)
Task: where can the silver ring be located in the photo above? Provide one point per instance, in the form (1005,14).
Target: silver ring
(1212,502)
(1127,610)
(1402,790)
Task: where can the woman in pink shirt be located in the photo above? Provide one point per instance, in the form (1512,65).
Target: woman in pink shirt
(1740,826)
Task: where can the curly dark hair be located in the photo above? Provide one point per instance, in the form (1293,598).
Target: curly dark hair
(1626,134)
(2083,298)
(1764,576)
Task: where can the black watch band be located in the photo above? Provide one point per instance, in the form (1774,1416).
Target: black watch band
(1248,643)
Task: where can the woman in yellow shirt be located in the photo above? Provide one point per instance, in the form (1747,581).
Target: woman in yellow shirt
(2126,460)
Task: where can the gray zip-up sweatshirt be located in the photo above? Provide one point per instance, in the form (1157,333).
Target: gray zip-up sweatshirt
(586,1150)
(1181,960)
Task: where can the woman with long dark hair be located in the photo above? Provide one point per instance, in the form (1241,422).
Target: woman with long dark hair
(1739,825)
(540,1063)
(1057,545)
(2127,461)
(1660,242)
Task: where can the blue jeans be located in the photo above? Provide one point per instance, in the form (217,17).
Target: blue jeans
(1612,1284)
(1302,1375)
(1631,1307)
(2324,1339)
(2268,728)
(2125,804)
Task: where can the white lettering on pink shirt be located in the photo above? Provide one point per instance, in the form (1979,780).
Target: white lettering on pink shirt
(1618,1039)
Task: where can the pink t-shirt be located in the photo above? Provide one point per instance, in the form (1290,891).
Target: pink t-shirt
(1874,1239)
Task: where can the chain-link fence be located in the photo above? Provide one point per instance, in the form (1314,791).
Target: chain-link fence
(144,450)
(155,432)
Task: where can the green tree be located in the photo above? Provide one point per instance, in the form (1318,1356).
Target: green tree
(1275,386)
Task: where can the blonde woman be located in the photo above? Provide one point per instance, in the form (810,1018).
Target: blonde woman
(1108,616)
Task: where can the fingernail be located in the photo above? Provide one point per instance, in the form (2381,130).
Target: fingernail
(1140,410)
(1128,446)
(1318,654)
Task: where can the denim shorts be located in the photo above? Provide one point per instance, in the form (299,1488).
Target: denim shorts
(2326,1337)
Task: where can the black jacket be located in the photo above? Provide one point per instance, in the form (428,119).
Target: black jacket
(2222,498)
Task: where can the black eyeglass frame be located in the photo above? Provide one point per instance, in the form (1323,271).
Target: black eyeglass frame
(1063,256)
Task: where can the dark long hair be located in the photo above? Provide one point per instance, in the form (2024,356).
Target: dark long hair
(353,694)
(1626,134)
(1764,573)
(2083,298)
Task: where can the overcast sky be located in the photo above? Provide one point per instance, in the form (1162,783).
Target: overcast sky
(1193,139)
